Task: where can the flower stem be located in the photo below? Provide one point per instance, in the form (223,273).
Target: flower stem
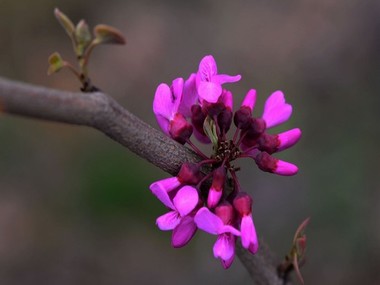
(249,149)
(207,161)
(196,149)
(237,186)
(235,135)
(242,136)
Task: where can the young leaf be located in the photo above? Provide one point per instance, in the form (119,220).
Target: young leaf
(83,36)
(55,63)
(108,35)
(66,23)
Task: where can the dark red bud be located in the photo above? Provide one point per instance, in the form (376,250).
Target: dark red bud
(242,117)
(179,129)
(268,143)
(213,109)
(256,127)
(198,116)
(219,178)
(225,120)
(243,204)
(190,174)
(266,162)
(225,212)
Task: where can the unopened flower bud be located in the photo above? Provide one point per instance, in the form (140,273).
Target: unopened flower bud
(268,163)
(242,117)
(216,190)
(289,138)
(213,109)
(225,120)
(243,204)
(179,129)
(268,143)
(197,118)
(256,127)
(249,100)
(225,212)
(189,174)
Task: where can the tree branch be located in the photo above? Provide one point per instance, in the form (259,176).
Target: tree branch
(100,111)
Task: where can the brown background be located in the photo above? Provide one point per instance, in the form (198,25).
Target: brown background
(75,207)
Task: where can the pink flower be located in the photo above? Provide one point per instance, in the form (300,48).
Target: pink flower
(167,184)
(275,143)
(249,100)
(216,190)
(209,82)
(243,205)
(224,247)
(178,219)
(190,96)
(276,111)
(166,106)
(189,174)
(268,163)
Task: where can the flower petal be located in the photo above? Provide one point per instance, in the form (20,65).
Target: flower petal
(189,96)
(289,138)
(229,229)
(163,123)
(184,232)
(177,90)
(285,168)
(224,247)
(209,91)
(208,221)
(276,111)
(167,184)
(227,99)
(213,197)
(186,200)
(163,102)
(168,221)
(201,137)
(224,78)
(248,234)
(163,196)
(227,263)
(207,68)
(249,100)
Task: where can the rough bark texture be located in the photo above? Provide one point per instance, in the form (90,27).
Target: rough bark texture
(100,111)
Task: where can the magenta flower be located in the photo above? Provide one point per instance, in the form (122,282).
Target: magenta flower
(178,219)
(166,103)
(201,106)
(166,106)
(268,163)
(217,186)
(257,143)
(276,111)
(224,247)
(209,82)
(167,184)
(243,205)
(190,96)
(189,174)
(275,143)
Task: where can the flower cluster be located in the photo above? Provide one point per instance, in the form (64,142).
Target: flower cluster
(201,106)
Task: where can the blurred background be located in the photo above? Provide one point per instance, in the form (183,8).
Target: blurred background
(75,207)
